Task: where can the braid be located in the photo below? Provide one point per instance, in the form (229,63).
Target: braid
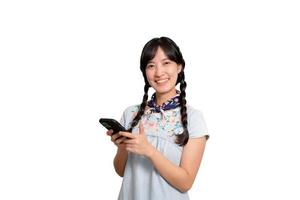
(183,138)
(141,109)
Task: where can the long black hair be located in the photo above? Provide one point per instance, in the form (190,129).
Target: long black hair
(173,53)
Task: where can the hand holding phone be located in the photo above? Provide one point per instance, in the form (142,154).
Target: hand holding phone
(115,126)
(112,124)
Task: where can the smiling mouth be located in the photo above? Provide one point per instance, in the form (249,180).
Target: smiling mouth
(162,81)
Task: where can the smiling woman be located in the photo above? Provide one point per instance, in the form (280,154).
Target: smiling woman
(163,146)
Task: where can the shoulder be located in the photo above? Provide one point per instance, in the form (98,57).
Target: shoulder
(194,115)
(128,114)
(131,109)
(196,123)
(192,111)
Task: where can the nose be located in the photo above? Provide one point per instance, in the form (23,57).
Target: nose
(158,70)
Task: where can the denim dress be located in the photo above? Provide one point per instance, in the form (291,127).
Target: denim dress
(141,181)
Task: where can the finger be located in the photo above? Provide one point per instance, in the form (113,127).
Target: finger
(130,141)
(141,128)
(129,148)
(123,139)
(120,140)
(127,134)
(109,132)
(115,136)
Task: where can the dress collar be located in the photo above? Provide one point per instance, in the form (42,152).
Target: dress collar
(172,103)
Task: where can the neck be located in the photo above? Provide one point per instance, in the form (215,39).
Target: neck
(160,98)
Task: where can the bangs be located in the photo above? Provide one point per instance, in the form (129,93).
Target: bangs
(168,48)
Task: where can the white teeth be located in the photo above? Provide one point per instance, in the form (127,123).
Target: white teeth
(161,81)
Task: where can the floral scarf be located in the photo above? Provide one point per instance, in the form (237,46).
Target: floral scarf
(168,105)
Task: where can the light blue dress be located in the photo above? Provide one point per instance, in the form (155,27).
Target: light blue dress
(141,180)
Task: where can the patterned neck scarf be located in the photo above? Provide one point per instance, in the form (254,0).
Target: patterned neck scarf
(168,105)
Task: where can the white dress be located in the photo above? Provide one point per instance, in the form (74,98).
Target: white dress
(141,180)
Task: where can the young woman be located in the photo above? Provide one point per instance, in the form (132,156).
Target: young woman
(160,155)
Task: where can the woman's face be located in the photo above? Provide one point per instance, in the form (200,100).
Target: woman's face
(162,73)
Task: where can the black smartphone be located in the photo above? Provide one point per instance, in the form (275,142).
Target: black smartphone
(112,124)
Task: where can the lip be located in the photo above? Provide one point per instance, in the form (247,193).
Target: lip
(162,84)
(163,80)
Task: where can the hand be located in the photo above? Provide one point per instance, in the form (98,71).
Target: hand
(138,144)
(117,139)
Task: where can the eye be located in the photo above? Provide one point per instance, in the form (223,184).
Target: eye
(150,66)
(167,63)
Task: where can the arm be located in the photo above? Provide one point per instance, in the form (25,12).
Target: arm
(120,160)
(182,176)
(122,154)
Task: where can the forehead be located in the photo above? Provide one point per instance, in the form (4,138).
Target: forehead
(159,55)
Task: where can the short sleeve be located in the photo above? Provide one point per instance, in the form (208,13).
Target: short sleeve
(128,115)
(196,124)
(123,119)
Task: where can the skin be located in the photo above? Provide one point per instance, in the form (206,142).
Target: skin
(182,176)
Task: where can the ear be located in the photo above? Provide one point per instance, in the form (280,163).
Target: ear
(179,68)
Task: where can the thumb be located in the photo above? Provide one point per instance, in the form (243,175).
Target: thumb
(141,129)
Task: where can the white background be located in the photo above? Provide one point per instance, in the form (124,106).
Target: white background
(64,64)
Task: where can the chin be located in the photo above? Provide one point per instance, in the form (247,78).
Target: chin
(162,90)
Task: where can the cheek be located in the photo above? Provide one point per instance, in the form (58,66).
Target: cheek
(149,78)
(149,75)
(174,79)
(174,75)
